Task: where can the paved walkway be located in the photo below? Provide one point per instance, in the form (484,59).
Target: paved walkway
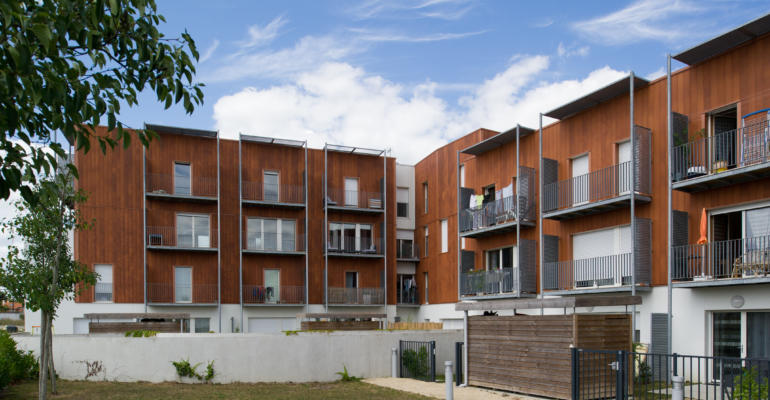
(437,390)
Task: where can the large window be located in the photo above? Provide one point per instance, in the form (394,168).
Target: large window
(402,202)
(182,179)
(202,325)
(270,185)
(505,257)
(591,252)
(183,285)
(271,234)
(192,231)
(103,288)
(444,236)
(348,237)
(351,192)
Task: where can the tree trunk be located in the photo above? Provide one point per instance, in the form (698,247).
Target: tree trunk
(51,371)
(42,386)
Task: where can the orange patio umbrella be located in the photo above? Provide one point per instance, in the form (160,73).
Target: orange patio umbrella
(704,228)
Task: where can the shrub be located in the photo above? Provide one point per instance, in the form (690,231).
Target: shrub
(416,362)
(186,370)
(345,377)
(749,385)
(15,365)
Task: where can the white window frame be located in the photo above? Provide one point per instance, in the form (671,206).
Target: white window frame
(444,235)
(278,233)
(357,228)
(176,270)
(99,280)
(348,198)
(277,175)
(173,182)
(195,244)
(400,189)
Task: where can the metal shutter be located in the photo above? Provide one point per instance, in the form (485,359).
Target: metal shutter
(550,175)
(550,255)
(467,260)
(527,267)
(659,343)
(643,260)
(642,158)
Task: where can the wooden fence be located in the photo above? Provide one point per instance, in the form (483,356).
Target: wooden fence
(415,326)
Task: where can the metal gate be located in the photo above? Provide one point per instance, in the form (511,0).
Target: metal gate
(417,360)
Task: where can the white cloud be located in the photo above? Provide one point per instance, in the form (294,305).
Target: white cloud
(543,23)
(450,10)
(643,20)
(263,35)
(209,52)
(655,74)
(368,35)
(569,51)
(341,104)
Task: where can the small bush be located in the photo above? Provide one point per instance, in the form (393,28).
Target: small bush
(186,370)
(15,365)
(749,385)
(141,333)
(345,377)
(416,362)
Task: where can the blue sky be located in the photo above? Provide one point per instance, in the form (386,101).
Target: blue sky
(412,75)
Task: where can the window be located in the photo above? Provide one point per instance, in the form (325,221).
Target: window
(501,258)
(103,288)
(271,234)
(406,289)
(444,236)
(270,185)
(425,275)
(624,172)
(183,285)
(579,182)
(351,237)
(202,325)
(721,126)
(182,179)
(405,249)
(425,196)
(597,244)
(462,175)
(351,280)
(351,192)
(273,285)
(192,231)
(402,202)
(426,240)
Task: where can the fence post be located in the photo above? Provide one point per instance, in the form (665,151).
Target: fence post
(433,361)
(458,362)
(675,366)
(394,363)
(677,393)
(400,359)
(619,377)
(448,380)
(575,374)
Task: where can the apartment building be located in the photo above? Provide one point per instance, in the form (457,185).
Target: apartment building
(244,234)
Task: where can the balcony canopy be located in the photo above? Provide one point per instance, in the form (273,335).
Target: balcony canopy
(354,150)
(269,140)
(605,94)
(181,131)
(725,42)
(497,141)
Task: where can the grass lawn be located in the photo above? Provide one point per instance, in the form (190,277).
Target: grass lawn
(177,391)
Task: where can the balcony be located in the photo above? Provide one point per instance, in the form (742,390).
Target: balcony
(736,156)
(170,294)
(272,195)
(166,238)
(356,296)
(354,201)
(407,297)
(517,281)
(362,247)
(273,243)
(727,262)
(407,251)
(200,189)
(273,295)
(496,216)
(594,275)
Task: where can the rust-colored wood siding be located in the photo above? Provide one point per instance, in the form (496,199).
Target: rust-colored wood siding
(113,182)
(439,171)
(230,211)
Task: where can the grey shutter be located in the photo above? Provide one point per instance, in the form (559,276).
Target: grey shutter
(680,227)
(643,250)
(527,195)
(527,267)
(679,157)
(681,237)
(467,260)
(550,257)
(659,343)
(550,190)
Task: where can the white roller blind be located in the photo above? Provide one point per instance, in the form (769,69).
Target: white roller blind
(758,222)
(605,242)
(105,272)
(402,195)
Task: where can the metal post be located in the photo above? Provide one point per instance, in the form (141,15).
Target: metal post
(459,239)
(518,216)
(465,348)
(540,207)
(670,144)
(393,363)
(385,228)
(144,219)
(448,380)
(326,231)
(458,361)
(633,205)
(677,392)
(575,374)
(219,242)
(432,361)
(240,228)
(307,248)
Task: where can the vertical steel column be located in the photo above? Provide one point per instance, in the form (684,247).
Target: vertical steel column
(670,241)
(385,226)
(540,207)
(459,239)
(240,229)
(307,247)
(633,205)
(326,231)
(518,215)
(144,219)
(219,241)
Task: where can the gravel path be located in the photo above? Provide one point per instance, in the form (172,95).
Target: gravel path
(437,390)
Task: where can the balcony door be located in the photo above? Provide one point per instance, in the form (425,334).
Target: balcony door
(270,186)
(501,265)
(740,243)
(193,231)
(351,192)
(740,334)
(602,257)
(183,285)
(351,287)
(580,184)
(272,285)
(624,167)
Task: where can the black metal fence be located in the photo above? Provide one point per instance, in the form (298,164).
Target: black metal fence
(604,374)
(417,360)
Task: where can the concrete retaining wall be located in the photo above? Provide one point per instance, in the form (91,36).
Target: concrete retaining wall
(305,357)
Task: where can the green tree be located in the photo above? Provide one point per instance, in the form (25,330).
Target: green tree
(67,65)
(39,269)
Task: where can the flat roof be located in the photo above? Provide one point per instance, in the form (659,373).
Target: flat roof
(725,42)
(270,140)
(353,150)
(607,93)
(557,302)
(497,141)
(181,131)
(136,315)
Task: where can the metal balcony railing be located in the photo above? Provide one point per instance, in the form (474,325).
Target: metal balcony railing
(613,270)
(407,296)
(365,296)
(715,154)
(407,251)
(494,281)
(196,186)
(169,293)
(496,212)
(167,236)
(273,193)
(352,245)
(103,291)
(737,258)
(273,242)
(354,199)
(258,294)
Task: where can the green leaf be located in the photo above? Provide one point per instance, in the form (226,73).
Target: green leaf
(43,34)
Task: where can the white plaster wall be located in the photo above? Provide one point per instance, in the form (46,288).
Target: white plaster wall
(305,357)
(69,310)
(405,179)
